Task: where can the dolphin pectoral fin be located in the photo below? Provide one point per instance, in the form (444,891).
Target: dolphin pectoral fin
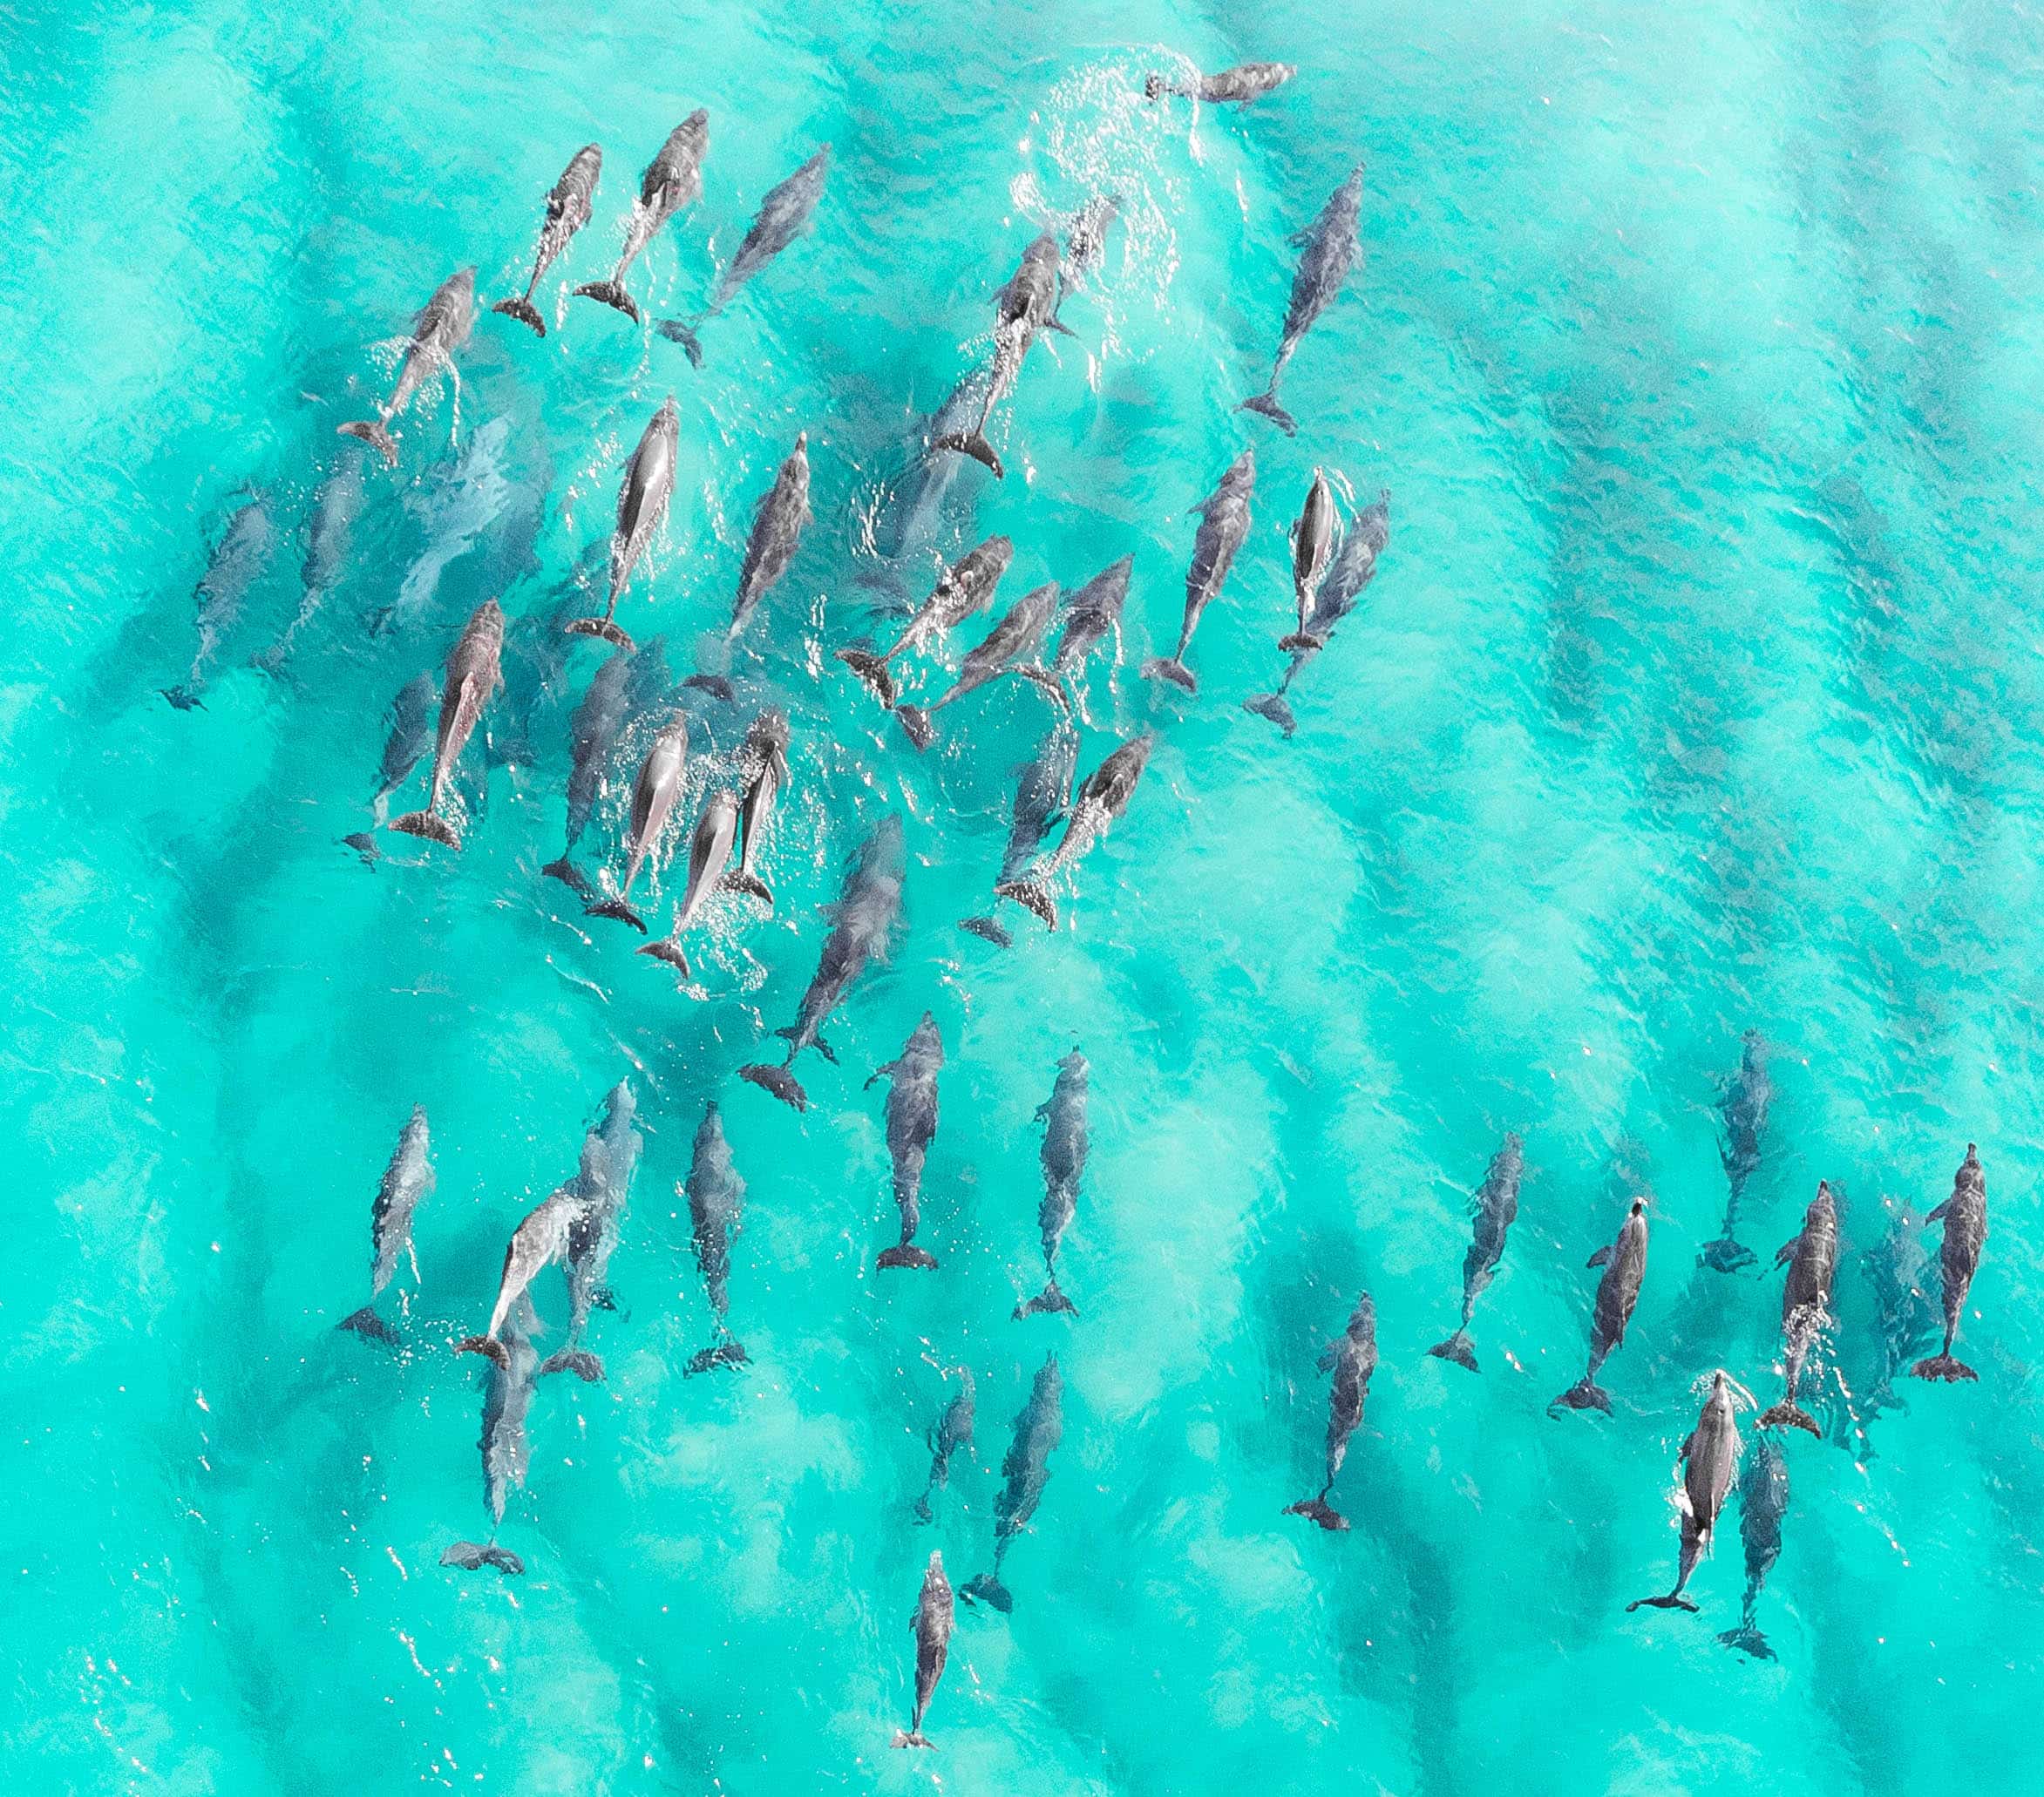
(1601,1258)
(1786,1252)
(1938,1215)
(825,1049)
(1060,327)
(1049,684)
(1321,1510)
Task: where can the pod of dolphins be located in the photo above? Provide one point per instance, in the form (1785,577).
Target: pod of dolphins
(577,1226)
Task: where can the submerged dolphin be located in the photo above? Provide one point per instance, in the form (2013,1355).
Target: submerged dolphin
(784,216)
(776,532)
(710,853)
(1710,1463)
(641,504)
(1764,1501)
(1812,1255)
(437,332)
(406,1183)
(1085,240)
(951,1431)
(673,179)
(1965,1217)
(1103,796)
(1236,86)
(1043,794)
(1624,1267)
(329,530)
(568,211)
(1349,570)
(593,737)
(1494,1207)
(1743,1107)
(1352,1357)
(1024,1470)
(474,672)
(411,729)
(961,592)
(237,561)
(763,767)
(1224,523)
(1898,1268)
(716,1202)
(1065,1147)
(911,1126)
(931,1625)
(1093,611)
(1331,244)
(611,1157)
(654,793)
(1026,306)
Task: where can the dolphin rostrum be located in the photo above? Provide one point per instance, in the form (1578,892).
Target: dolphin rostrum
(784,216)
(537,1241)
(931,1625)
(654,793)
(673,179)
(1625,1267)
(1352,1357)
(1103,796)
(951,1431)
(1224,523)
(474,672)
(1965,1217)
(641,503)
(717,1201)
(237,561)
(1020,629)
(1710,1463)
(911,1126)
(1812,1255)
(1065,1144)
(437,333)
(776,532)
(1043,794)
(568,211)
(407,1182)
(1024,1470)
(1331,244)
(961,592)
(1494,1207)
(592,734)
(1027,305)
(1764,1501)
(1743,1107)
(710,853)
(763,767)
(1236,86)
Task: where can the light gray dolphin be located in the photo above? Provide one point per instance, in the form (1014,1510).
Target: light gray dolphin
(1330,246)
(1065,1147)
(1020,629)
(411,729)
(593,738)
(961,592)
(710,853)
(536,1244)
(474,673)
(237,562)
(329,530)
(1710,1463)
(437,333)
(1043,794)
(672,181)
(763,767)
(717,1204)
(662,776)
(406,1183)
(1236,86)
(1743,1107)
(1349,570)
(1764,1501)
(641,504)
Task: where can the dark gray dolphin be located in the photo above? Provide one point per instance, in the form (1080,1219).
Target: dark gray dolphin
(407,1182)
(472,1555)
(662,776)
(641,503)
(911,1126)
(1493,1208)
(1350,572)
(507,1401)
(537,1241)
(1625,1267)
(1103,796)
(1710,1463)
(1020,629)
(710,853)
(1331,244)
(1236,86)
(474,672)
(932,1624)
(1025,1469)
(1743,1107)
(1224,516)
(568,211)
(1812,1255)
(1043,794)
(1965,1217)
(672,181)
(777,533)
(1090,613)
(1026,306)
(862,926)
(961,592)
(610,1158)
(717,1204)
(329,531)
(593,738)
(411,729)
(1352,1357)
(763,768)
(237,561)
(1764,1501)
(784,216)
(437,333)
(951,1431)
(1065,1146)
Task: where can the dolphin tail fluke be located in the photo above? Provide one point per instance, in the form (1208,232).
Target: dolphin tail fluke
(905,1254)
(1300,643)
(1456,1348)
(870,669)
(1725,1256)
(472,1555)
(605,627)
(916,725)
(571,877)
(186,697)
(752,885)
(669,950)
(911,1737)
(1266,405)
(1048,1300)
(1321,1510)
(1585,1394)
(1154,88)
(675,332)
(611,294)
(489,1347)
(778,1079)
(367,1324)
(1048,683)
(1787,1414)
(579,1361)
(1273,706)
(920,1509)
(1749,1640)
(524,310)
(973,444)
(617,908)
(1674,1600)
(986,1589)
(431,825)
(728,1353)
(1947,1367)
(1170,668)
(1033,895)
(371,431)
(987,927)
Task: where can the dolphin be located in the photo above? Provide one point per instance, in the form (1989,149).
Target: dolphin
(659,784)
(1313,545)
(951,1431)
(777,525)
(716,1202)
(470,1555)
(610,1158)
(1710,1463)
(1103,796)
(1494,1207)
(474,672)
(911,513)
(1043,794)
(537,1241)
(1965,1217)
(462,499)
(673,179)
(931,1625)
(593,738)
(763,766)
(410,713)
(1090,613)
(710,853)
(407,1181)
(1353,563)
(1352,1357)
(568,211)
(784,216)
(1085,240)
(1020,629)
(437,333)
(1898,1271)
(1331,245)
(911,1126)
(1764,1501)
(237,563)
(1024,1470)
(329,529)
(1235,86)
(506,1455)
(1743,1106)
(1812,1255)
(862,923)
(1625,1267)
(961,592)
(1224,516)
(1027,305)
(1065,1144)
(641,504)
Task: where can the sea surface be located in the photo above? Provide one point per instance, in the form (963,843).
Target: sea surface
(1698,691)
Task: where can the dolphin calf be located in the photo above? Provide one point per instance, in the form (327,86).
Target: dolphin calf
(611,1157)
(1330,246)
(506,1455)
(1812,1255)
(641,504)
(710,853)
(1236,86)
(1494,1207)
(1043,794)
(1103,796)
(1764,1501)
(568,211)
(329,531)
(951,1431)
(237,563)
(1710,1463)
(1352,1357)
(1026,306)
(536,1244)
(407,1182)
(716,1202)
(1965,1217)
(1090,613)
(763,767)
(1020,629)
(1065,1144)
(931,1625)
(437,333)
(862,923)
(412,728)
(1354,564)
(1744,1108)
(776,532)
(961,592)
(1025,1469)
(474,672)
(593,737)
(661,777)
(784,216)
(1224,523)
(1625,1267)
(672,181)
(911,1126)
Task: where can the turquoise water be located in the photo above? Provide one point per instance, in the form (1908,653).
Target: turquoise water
(1699,350)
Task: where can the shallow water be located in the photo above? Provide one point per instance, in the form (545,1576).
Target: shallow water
(1698,351)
